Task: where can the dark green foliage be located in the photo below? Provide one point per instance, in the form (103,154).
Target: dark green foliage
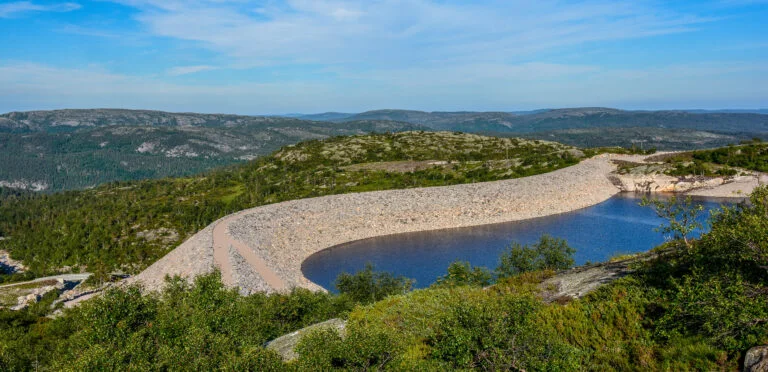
(325,350)
(368,286)
(547,254)
(738,235)
(719,289)
(496,335)
(723,308)
(461,273)
(188,327)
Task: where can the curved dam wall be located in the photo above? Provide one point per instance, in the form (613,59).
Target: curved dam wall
(261,249)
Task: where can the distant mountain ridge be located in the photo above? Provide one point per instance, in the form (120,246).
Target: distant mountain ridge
(74,119)
(79,148)
(575,118)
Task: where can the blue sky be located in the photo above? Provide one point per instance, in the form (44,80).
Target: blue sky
(271,57)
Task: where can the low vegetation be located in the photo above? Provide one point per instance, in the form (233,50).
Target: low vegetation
(688,309)
(644,137)
(752,155)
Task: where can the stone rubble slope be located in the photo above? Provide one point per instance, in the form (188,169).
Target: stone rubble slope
(281,236)
(262,249)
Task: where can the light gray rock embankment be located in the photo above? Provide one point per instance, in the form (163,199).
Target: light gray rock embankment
(273,240)
(722,187)
(192,258)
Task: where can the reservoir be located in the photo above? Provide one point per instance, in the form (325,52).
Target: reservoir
(617,226)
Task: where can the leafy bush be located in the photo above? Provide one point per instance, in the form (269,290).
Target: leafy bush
(368,286)
(461,273)
(548,254)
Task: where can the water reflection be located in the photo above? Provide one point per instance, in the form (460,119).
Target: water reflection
(616,226)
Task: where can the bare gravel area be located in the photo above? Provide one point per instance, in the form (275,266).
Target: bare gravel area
(265,246)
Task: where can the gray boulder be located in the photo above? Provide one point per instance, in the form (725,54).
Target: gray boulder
(756,359)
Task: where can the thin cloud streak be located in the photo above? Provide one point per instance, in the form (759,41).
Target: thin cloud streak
(389,32)
(19,8)
(186,70)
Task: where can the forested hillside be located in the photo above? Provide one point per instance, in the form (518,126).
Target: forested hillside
(574,118)
(75,149)
(128,225)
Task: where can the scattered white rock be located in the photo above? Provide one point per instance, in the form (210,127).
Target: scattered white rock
(146,147)
(8,264)
(25,185)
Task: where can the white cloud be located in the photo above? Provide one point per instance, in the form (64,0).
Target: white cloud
(184,70)
(17,8)
(405,32)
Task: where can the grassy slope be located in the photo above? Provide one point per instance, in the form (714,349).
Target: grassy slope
(106,228)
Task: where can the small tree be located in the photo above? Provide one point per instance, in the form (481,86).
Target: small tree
(548,254)
(681,216)
(461,273)
(368,286)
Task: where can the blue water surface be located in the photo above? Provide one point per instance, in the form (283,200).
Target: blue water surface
(616,226)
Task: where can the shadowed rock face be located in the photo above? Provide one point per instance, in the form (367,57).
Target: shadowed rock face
(756,359)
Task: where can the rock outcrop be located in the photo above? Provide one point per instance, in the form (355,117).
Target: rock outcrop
(756,359)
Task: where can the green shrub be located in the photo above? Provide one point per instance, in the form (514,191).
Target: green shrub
(461,273)
(548,254)
(368,286)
